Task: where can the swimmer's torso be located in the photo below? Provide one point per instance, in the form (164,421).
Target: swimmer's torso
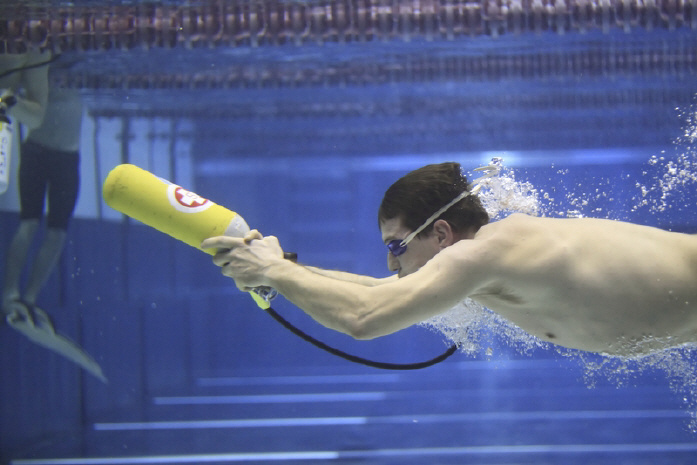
(60,129)
(590,284)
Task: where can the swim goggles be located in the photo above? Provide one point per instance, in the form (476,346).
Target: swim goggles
(397,247)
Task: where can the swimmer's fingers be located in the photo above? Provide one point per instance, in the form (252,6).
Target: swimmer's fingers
(247,259)
(222,242)
(252,235)
(227,242)
(243,287)
(224,245)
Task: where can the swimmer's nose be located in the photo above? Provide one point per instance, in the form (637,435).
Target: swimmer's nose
(392,262)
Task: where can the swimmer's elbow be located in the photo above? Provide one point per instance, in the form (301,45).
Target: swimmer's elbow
(363,333)
(367,315)
(366,326)
(356,327)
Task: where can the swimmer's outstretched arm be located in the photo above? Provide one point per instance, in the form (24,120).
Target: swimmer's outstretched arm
(353,278)
(361,311)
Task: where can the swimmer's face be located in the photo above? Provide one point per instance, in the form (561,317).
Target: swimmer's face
(419,251)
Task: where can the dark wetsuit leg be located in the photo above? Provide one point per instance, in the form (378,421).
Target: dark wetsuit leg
(41,171)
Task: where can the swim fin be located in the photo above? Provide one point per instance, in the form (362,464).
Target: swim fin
(36,325)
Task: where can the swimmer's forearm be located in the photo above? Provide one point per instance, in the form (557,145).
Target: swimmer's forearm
(27,112)
(335,303)
(366,312)
(351,277)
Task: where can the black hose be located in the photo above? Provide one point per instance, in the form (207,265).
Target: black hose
(356,359)
(27,67)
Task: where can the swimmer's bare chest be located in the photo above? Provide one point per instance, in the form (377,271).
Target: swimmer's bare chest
(625,283)
(605,314)
(534,315)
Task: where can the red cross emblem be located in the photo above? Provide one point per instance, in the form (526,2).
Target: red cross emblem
(188,199)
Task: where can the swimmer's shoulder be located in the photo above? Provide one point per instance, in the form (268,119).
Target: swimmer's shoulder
(496,240)
(514,224)
(520,238)
(518,223)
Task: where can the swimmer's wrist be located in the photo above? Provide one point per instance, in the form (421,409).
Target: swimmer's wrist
(280,270)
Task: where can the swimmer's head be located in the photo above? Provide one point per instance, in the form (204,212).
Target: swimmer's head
(419,194)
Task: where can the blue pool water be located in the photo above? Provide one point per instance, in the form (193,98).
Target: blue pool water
(301,136)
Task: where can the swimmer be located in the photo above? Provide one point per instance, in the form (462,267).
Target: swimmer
(48,170)
(595,285)
(24,80)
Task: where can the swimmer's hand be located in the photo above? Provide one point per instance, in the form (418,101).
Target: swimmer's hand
(7,99)
(246,260)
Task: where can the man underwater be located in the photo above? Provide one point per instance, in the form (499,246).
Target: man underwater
(596,285)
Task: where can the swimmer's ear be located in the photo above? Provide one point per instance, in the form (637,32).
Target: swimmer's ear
(444,232)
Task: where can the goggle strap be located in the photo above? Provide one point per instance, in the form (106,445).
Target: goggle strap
(433,217)
(490,171)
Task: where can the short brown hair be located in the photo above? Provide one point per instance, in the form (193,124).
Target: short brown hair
(419,194)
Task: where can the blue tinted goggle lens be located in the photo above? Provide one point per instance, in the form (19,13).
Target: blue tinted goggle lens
(396,247)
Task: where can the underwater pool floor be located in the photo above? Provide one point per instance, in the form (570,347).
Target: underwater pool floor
(488,413)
